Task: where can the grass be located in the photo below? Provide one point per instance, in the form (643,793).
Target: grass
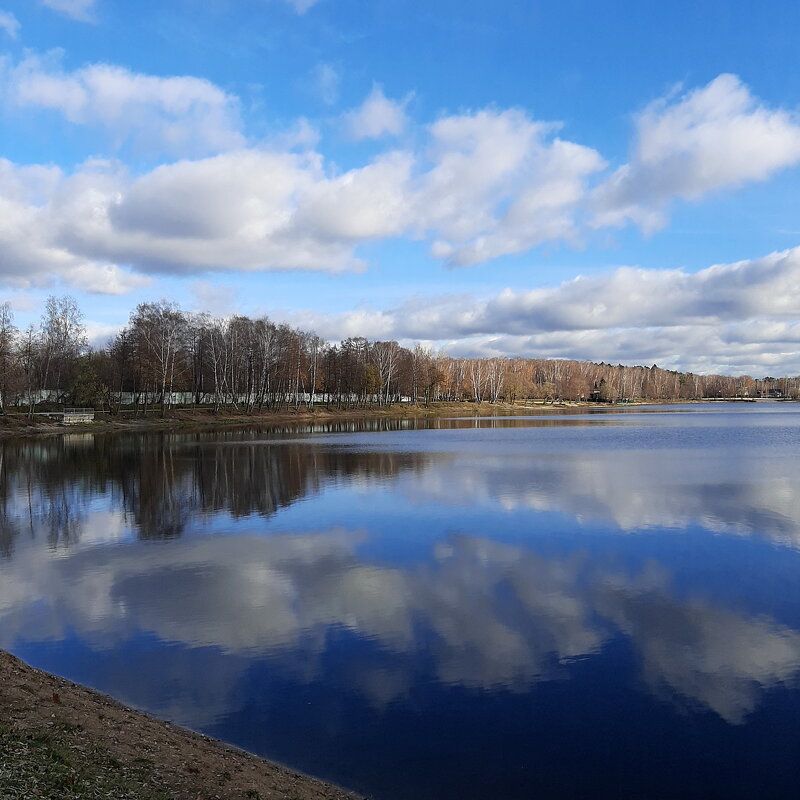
(59,765)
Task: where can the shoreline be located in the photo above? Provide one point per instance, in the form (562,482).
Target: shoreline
(63,740)
(18,426)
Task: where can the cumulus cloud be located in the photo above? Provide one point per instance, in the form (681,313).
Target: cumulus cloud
(183,116)
(483,184)
(80,10)
(708,139)
(9,23)
(301,135)
(499,183)
(632,297)
(100,278)
(376,117)
(624,297)
(490,183)
(30,254)
(734,350)
(368,203)
(259,209)
(728,317)
(243,210)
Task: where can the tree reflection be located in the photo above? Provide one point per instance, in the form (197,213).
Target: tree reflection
(161,482)
(9,531)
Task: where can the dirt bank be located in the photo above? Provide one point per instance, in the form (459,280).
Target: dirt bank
(62,741)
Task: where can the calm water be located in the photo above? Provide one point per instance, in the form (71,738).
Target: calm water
(599,605)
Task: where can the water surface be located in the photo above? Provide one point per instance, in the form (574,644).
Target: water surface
(600,605)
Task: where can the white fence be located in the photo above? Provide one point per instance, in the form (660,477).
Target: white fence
(76,416)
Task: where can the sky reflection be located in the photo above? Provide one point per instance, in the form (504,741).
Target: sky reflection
(474,567)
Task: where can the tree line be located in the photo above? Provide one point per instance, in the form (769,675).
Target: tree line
(166,357)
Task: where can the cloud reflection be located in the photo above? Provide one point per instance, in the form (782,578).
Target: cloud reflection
(632,490)
(489,615)
(91,537)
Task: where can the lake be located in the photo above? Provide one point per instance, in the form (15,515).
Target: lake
(602,604)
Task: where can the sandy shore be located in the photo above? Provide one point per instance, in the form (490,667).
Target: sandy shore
(60,740)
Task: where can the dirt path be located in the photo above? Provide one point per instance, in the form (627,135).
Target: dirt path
(62,741)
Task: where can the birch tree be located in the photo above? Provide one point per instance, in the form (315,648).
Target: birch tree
(386,357)
(159,329)
(63,337)
(8,333)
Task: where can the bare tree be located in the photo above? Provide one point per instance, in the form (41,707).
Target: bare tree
(495,374)
(29,358)
(8,334)
(477,376)
(63,337)
(386,356)
(159,330)
(253,364)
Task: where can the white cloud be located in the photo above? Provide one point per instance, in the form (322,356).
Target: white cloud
(499,184)
(376,117)
(368,203)
(482,185)
(22,300)
(178,115)
(30,254)
(712,138)
(632,297)
(9,23)
(738,317)
(99,335)
(245,210)
(80,10)
(103,278)
(703,349)
(234,211)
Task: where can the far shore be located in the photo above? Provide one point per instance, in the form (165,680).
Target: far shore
(61,740)
(18,424)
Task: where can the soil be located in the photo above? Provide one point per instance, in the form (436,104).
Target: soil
(62,741)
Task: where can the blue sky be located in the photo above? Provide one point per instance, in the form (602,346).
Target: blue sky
(610,181)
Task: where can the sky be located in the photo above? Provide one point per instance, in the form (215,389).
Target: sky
(604,181)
